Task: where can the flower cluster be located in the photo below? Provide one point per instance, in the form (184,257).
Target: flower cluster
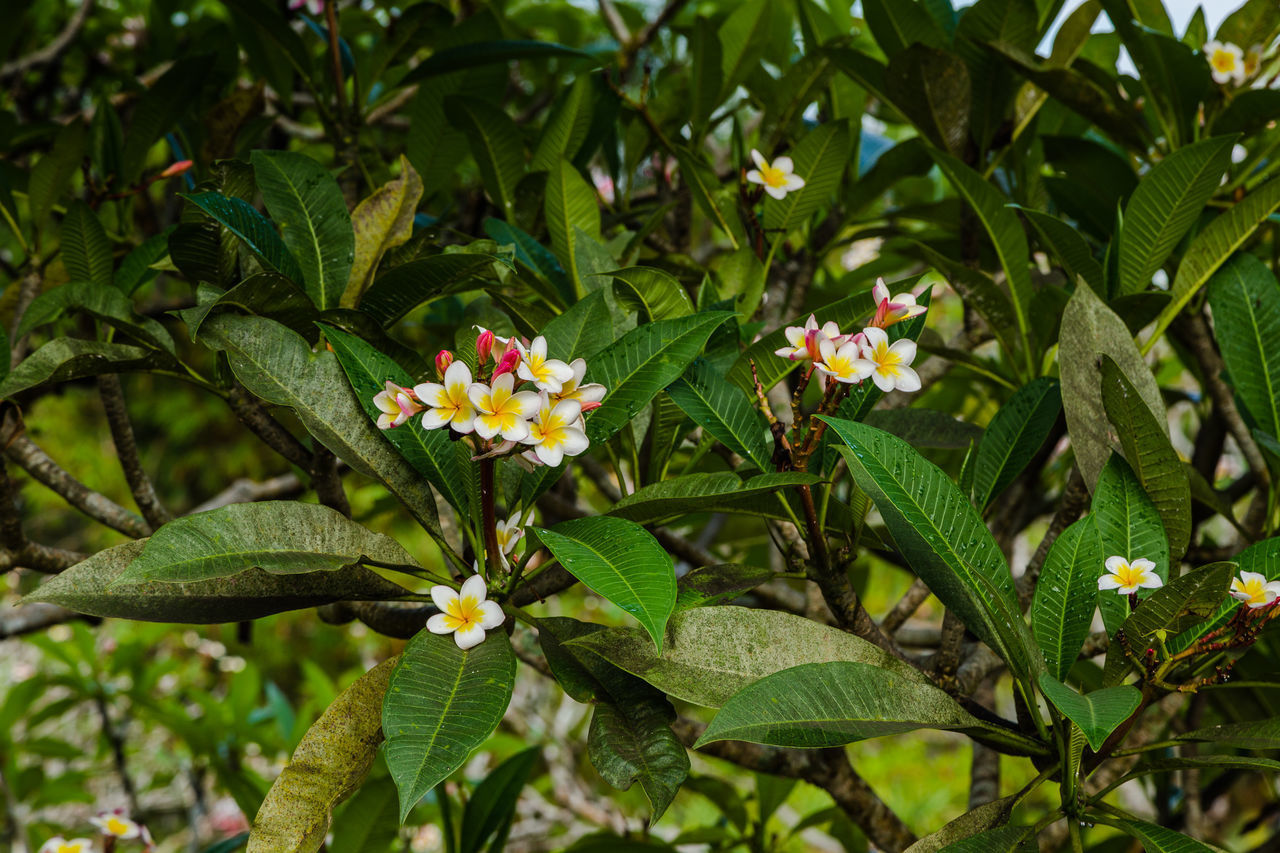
(1230,64)
(867,354)
(111,825)
(1126,577)
(528,399)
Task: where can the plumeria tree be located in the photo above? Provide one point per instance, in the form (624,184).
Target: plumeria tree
(754,380)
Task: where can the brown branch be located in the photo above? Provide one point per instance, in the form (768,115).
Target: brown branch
(613,21)
(28,290)
(53,49)
(144,493)
(326,480)
(245,490)
(388,618)
(906,606)
(949,647)
(649,30)
(36,616)
(1074,498)
(253,414)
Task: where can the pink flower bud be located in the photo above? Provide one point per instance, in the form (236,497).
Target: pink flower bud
(588,406)
(444,358)
(812,339)
(484,345)
(510,360)
(176,169)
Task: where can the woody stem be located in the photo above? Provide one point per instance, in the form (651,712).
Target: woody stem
(489,520)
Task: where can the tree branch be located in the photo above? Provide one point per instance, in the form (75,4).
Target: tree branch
(144,493)
(253,414)
(53,49)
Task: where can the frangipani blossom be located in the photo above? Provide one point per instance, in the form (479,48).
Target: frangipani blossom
(805,342)
(548,374)
(1226,61)
(890,363)
(116,825)
(58,844)
(448,404)
(895,309)
(556,431)
(509,533)
(396,404)
(1254,590)
(1127,577)
(573,389)
(776,177)
(844,363)
(465,614)
(501,412)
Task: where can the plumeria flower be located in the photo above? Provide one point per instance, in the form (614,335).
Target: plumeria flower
(844,363)
(448,404)
(444,358)
(501,412)
(890,363)
(116,825)
(804,342)
(466,614)
(548,374)
(573,389)
(893,310)
(556,431)
(1253,589)
(315,7)
(58,844)
(1127,577)
(396,404)
(776,177)
(509,533)
(1226,61)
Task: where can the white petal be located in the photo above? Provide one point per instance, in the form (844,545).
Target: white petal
(491,615)
(883,382)
(1108,582)
(1114,564)
(518,431)
(908,379)
(549,456)
(474,587)
(436,418)
(758,159)
(904,349)
(1151,581)
(464,420)
(754,177)
(784,164)
(777,192)
(524,402)
(443,597)
(432,394)
(457,376)
(566,411)
(880,292)
(440,623)
(469,635)
(1253,577)
(574,441)
(794,182)
(486,426)
(1146,565)
(876,337)
(481,396)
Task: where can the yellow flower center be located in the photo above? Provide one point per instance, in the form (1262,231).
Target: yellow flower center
(773,177)
(1253,588)
(1223,61)
(840,365)
(116,826)
(1129,576)
(461,613)
(888,362)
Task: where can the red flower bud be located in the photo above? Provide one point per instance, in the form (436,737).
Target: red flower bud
(510,359)
(444,358)
(484,345)
(176,169)
(594,404)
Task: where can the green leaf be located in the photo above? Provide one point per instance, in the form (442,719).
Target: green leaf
(254,230)
(985,829)
(307,204)
(1250,734)
(331,761)
(652,293)
(136,268)
(1165,205)
(53,171)
(832,704)
(1004,230)
(718,584)
(925,428)
(742,39)
(643,362)
(401,289)
(91,587)
(582,331)
(266,294)
(500,51)
(1180,603)
(896,25)
(721,491)
(942,538)
(1128,526)
(279,537)
(820,159)
(278,366)
(382,221)
(724,411)
(570,203)
(1153,459)
(86,251)
(492,805)
(1214,245)
(104,303)
(532,254)
(160,108)
(1014,436)
(368,823)
(445,463)
(1070,247)
(1091,329)
(934,90)
(1245,298)
(566,127)
(443,702)
(713,653)
(710,197)
(1099,713)
(1066,596)
(1159,839)
(621,561)
(634,742)
(495,144)
(64,359)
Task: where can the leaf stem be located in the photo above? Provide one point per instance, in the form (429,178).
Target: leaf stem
(489,521)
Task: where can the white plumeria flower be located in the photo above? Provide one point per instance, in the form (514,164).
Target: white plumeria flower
(556,431)
(116,825)
(1226,61)
(1254,590)
(1128,576)
(448,404)
(804,342)
(58,844)
(573,389)
(396,404)
(890,310)
(466,614)
(501,412)
(509,533)
(548,374)
(890,363)
(776,177)
(844,363)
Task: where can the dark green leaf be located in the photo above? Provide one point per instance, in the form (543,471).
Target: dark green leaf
(1066,596)
(86,251)
(634,742)
(1014,436)
(1128,526)
(253,229)
(493,803)
(1097,714)
(1245,298)
(64,359)
(724,411)
(401,289)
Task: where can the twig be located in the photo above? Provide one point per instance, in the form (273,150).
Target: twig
(253,414)
(906,606)
(326,480)
(144,493)
(617,27)
(113,737)
(53,49)
(649,30)
(36,616)
(1072,503)
(245,490)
